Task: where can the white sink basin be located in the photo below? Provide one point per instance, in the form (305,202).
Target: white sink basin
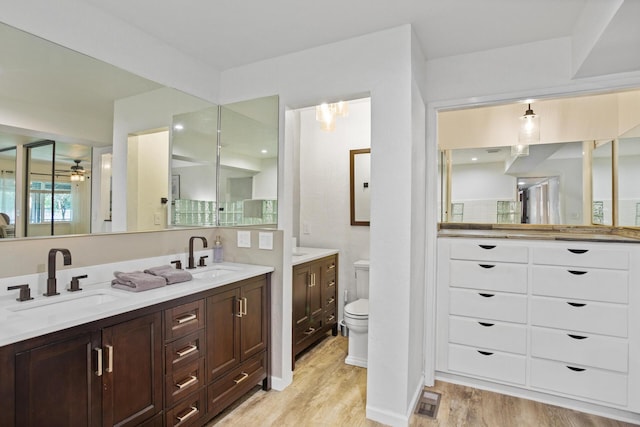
(69,304)
(215,271)
(298,254)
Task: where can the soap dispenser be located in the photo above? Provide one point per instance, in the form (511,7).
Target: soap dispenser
(217,250)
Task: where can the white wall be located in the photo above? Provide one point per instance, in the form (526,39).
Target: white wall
(324,208)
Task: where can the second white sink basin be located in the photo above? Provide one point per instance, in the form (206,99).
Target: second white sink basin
(215,271)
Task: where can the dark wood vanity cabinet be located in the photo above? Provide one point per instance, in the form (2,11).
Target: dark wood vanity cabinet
(237,342)
(110,376)
(315,294)
(178,363)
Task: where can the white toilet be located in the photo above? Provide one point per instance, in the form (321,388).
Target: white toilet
(356,317)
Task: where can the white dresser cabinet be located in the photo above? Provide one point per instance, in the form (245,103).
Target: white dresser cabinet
(557,321)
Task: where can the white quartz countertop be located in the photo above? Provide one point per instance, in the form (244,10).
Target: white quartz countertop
(300,255)
(42,315)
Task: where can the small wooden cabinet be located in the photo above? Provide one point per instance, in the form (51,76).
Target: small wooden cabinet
(109,376)
(315,294)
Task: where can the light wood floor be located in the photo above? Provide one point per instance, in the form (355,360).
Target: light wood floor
(326,392)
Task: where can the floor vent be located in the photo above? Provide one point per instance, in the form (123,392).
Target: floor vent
(428,404)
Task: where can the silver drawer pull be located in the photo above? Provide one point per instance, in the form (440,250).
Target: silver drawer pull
(573,368)
(577,337)
(486,295)
(98,351)
(186,318)
(484,353)
(192,411)
(331,318)
(187,382)
(486,325)
(578,251)
(309,331)
(187,350)
(109,358)
(577,272)
(487,265)
(576,304)
(243,376)
(332,283)
(487,246)
(330,300)
(332,266)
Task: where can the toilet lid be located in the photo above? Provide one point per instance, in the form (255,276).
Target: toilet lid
(357,308)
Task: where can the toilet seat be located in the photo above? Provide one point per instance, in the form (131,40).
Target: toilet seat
(358,309)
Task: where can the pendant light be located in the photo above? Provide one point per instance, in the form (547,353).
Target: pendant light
(529,133)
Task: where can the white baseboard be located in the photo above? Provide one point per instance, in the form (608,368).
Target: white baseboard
(394,419)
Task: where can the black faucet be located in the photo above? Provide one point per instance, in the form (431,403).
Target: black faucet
(192,263)
(51,270)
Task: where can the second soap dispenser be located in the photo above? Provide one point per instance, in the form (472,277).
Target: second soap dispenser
(218,255)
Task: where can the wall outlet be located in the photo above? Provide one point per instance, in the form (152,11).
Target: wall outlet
(244,239)
(157,219)
(265,241)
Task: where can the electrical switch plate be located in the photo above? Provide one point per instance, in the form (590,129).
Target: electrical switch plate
(156,219)
(244,239)
(265,241)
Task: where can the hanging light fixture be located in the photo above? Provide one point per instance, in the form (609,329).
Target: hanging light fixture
(326,114)
(529,133)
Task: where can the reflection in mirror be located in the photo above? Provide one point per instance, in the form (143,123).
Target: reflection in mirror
(602,182)
(248,172)
(58,191)
(7,192)
(360,179)
(628,179)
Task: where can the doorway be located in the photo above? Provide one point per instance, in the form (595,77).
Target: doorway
(539,200)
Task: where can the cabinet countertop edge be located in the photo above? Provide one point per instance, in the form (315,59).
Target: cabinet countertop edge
(305,254)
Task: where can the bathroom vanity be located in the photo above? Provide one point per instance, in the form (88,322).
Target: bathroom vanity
(548,316)
(315,297)
(176,355)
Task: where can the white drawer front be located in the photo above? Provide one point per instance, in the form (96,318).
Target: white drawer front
(581,255)
(582,283)
(479,250)
(583,316)
(490,335)
(489,275)
(488,305)
(490,365)
(583,349)
(604,386)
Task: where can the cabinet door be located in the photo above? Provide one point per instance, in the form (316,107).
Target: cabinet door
(56,384)
(223,334)
(132,378)
(253,327)
(316,304)
(300,291)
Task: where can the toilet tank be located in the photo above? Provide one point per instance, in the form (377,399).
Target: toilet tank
(362,278)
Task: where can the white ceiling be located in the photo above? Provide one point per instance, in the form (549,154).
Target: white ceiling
(226,34)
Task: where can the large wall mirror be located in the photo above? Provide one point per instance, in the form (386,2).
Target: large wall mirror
(112,166)
(360,191)
(582,171)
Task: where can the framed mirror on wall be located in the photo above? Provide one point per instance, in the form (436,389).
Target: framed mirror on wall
(360,188)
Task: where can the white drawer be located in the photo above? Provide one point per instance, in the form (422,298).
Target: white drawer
(489,275)
(590,383)
(479,250)
(583,349)
(488,305)
(581,255)
(583,316)
(487,364)
(582,283)
(491,335)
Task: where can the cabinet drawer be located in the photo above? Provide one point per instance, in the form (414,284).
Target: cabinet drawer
(590,383)
(589,350)
(487,364)
(582,283)
(308,330)
(184,351)
(184,381)
(583,316)
(489,275)
(184,319)
(489,251)
(330,299)
(330,265)
(488,305)
(580,255)
(330,317)
(492,335)
(188,412)
(237,382)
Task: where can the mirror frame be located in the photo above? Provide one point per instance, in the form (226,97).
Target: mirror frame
(352,187)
